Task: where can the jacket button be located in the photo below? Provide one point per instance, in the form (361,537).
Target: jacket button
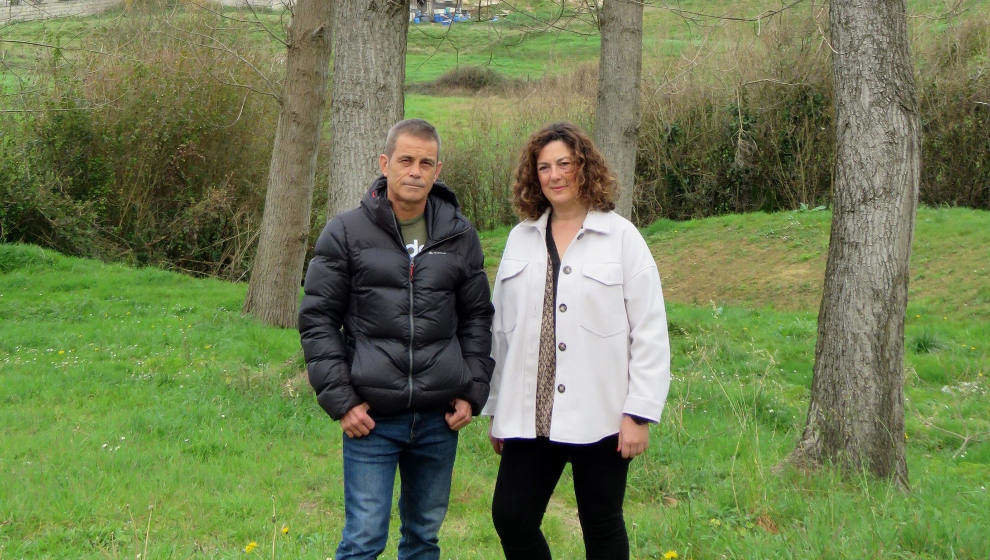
(562,347)
(561,388)
(563,307)
(567,269)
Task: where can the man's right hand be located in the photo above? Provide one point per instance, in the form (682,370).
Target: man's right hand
(356,423)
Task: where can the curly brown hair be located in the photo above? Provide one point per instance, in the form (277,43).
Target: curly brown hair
(596,184)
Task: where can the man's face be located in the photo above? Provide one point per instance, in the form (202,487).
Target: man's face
(410,171)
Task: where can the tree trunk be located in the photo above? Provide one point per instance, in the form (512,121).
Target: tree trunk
(369,68)
(273,291)
(617,115)
(856,414)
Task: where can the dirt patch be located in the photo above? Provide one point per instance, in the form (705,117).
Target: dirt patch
(743,272)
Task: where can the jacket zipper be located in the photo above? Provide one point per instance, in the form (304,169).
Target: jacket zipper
(412,321)
(412,327)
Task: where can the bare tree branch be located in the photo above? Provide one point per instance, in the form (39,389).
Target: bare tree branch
(764,15)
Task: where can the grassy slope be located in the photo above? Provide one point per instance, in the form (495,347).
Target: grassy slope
(123,389)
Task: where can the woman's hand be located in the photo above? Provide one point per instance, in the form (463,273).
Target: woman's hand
(633,438)
(496,442)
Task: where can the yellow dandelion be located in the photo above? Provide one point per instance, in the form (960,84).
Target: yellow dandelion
(669,555)
(285,529)
(917,316)
(972,347)
(60,352)
(208,346)
(250,546)
(715,522)
(905,436)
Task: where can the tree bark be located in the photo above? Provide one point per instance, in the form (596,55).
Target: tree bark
(856,413)
(273,291)
(369,68)
(617,114)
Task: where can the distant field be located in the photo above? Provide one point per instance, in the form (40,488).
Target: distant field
(140,412)
(526,45)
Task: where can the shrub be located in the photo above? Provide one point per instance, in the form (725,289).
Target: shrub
(161,147)
(471,78)
(746,123)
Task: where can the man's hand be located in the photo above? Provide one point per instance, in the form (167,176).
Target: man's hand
(497,443)
(633,438)
(356,423)
(461,416)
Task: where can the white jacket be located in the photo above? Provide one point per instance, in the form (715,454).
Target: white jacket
(613,354)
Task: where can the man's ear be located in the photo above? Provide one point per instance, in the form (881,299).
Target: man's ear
(383,162)
(439,167)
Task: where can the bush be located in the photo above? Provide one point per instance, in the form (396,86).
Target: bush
(479,161)
(39,202)
(756,137)
(470,78)
(747,125)
(157,153)
(954,90)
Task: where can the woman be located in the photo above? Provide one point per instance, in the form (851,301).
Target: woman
(580,346)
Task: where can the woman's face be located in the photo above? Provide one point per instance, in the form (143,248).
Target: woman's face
(556,167)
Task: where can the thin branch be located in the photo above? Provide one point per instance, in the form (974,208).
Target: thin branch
(772,81)
(821,31)
(226,49)
(48,46)
(955,10)
(256,22)
(765,15)
(239,113)
(86,108)
(552,24)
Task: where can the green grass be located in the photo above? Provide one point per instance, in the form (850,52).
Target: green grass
(139,409)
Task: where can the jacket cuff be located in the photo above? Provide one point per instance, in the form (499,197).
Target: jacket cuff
(477,394)
(647,409)
(337,402)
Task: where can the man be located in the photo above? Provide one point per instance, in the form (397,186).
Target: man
(395,326)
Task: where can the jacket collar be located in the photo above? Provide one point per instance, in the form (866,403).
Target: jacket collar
(443,217)
(596,221)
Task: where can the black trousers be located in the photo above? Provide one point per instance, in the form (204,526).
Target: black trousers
(527,475)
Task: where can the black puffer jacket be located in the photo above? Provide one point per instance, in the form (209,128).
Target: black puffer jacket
(415,332)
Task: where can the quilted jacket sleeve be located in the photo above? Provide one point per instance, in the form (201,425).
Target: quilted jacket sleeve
(325,300)
(474,319)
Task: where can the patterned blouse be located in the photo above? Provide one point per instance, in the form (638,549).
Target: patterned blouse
(547,365)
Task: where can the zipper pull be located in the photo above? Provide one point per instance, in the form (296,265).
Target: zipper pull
(412,265)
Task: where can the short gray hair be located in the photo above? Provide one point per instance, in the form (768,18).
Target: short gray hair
(414,127)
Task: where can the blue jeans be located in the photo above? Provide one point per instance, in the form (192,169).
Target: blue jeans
(423,447)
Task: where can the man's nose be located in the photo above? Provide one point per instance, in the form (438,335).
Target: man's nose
(415,170)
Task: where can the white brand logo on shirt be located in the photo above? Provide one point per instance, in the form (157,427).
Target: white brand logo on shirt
(414,248)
